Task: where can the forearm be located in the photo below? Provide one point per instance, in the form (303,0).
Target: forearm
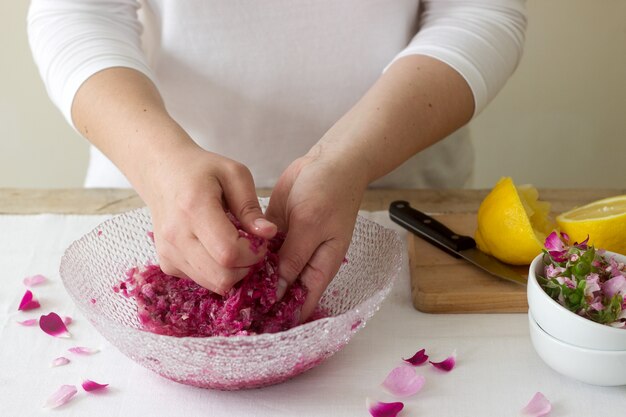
(415,103)
(120,111)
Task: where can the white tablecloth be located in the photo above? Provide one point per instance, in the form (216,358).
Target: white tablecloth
(497,370)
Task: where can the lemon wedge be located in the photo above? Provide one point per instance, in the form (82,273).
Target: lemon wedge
(513,223)
(604,221)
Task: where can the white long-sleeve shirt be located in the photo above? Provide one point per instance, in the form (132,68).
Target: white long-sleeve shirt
(261,81)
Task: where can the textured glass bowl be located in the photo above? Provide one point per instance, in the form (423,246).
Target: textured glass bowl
(92,265)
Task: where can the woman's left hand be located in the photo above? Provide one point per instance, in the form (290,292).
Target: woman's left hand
(316,200)
(416,102)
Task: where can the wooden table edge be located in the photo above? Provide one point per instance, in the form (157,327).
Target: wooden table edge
(117,200)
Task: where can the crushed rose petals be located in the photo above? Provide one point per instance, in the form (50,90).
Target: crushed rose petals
(34,280)
(419,358)
(447,364)
(81,350)
(538,406)
(28,302)
(180,307)
(29,322)
(53,325)
(92,301)
(403,382)
(60,361)
(381,409)
(67,320)
(89,385)
(61,396)
(150,235)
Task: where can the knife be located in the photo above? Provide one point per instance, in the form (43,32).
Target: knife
(455,244)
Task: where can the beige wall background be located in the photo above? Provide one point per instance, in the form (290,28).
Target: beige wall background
(559,122)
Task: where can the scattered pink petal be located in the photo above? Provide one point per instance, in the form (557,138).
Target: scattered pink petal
(567,281)
(554,243)
(381,409)
(93,301)
(554,271)
(582,245)
(150,235)
(61,396)
(28,302)
(53,325)
(615,285)
(67,320)
(29,322)
(419,358)
(596,303)
(89,385)
(558,255)
(60,361)
(34,280)
(538,406)
(99,232)
(80,350)
(403,382)
(447,364)
(593,284)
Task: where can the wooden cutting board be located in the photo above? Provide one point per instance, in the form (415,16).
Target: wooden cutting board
(441,283)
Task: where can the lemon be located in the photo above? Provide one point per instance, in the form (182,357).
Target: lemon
(513,223)
(604,221)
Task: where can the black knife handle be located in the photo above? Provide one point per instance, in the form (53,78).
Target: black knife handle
(429,229)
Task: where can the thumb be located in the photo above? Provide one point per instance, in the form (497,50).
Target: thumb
(242,201)
(298,247)
(317,274)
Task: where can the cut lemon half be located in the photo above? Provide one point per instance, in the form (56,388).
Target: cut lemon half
(604,221)
(513,223)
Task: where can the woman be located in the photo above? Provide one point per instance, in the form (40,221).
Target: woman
(292,94)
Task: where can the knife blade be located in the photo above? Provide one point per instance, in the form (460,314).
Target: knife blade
(453,243)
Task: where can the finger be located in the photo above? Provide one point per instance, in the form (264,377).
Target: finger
(276,208)
(298,247)
(242,201)
(221,238)
(207,272)
(167,255)
(318,273)
(204,275)
(168,267)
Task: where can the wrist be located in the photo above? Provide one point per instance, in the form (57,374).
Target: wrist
(343,161)
(157,155)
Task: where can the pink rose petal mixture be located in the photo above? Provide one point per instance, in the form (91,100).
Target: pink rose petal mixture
(179,307)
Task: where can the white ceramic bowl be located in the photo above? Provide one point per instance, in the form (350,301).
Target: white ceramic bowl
(592,366)
(565,325)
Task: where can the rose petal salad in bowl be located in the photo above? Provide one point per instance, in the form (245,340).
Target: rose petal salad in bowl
(587,281)
(577,310)
(577,293)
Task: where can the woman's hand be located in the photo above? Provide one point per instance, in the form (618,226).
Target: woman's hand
(187,192)
(186,188)
(316,200)
(416,102)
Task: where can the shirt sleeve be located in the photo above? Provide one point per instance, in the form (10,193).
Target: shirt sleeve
(481,39)
(73,39)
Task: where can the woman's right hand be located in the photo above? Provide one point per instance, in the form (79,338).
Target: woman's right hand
(186,188)
(187,192)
